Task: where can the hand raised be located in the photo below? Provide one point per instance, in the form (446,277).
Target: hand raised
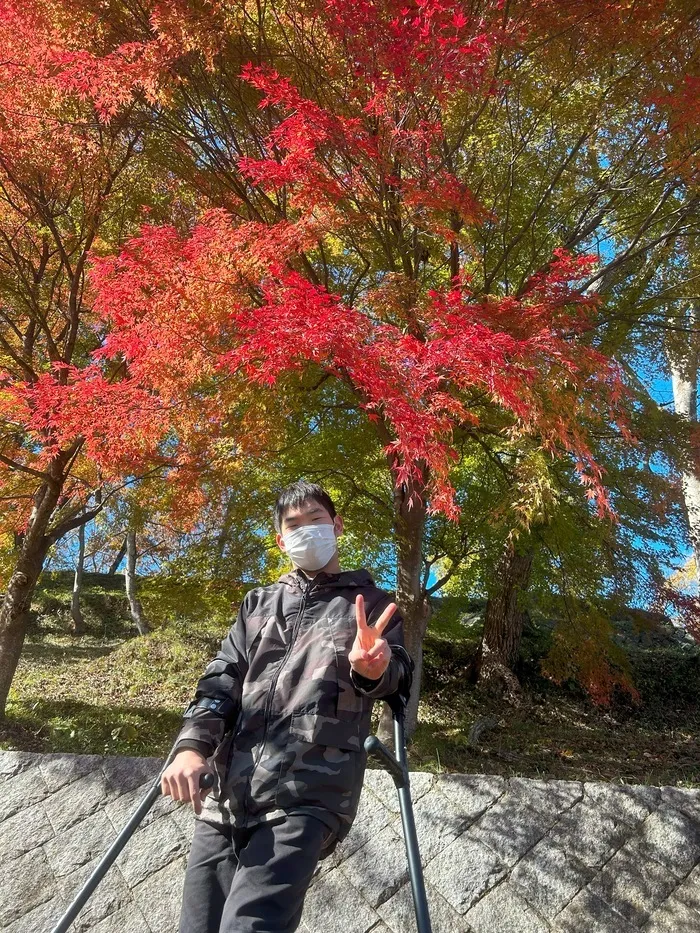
(370,653)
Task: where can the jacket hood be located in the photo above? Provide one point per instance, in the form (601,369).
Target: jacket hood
(345,578)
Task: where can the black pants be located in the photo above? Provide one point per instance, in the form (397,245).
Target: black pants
(251,880)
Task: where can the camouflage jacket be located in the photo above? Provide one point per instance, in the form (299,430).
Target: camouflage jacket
(293,718)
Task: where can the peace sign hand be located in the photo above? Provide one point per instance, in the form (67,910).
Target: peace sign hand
(370,653)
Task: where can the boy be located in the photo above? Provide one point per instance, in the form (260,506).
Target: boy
(280,716)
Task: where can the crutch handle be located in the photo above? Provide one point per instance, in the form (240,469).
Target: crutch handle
(373,746)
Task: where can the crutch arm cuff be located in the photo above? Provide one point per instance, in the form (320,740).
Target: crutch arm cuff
(204,748)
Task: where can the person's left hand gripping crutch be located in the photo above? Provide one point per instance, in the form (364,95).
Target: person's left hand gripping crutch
(370,653)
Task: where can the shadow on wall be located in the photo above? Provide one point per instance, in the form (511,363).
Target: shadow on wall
(540,856)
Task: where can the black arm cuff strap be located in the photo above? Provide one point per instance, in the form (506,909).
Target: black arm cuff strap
(204,748)
(222,707)
(399,701)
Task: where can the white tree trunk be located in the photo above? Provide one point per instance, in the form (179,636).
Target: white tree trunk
(118,559)
(135,606)
(683,364)
(78,621)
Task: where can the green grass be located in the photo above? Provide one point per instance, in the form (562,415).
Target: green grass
(109,692)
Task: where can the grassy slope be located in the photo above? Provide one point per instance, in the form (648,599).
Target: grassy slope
(557,732)
(108,692)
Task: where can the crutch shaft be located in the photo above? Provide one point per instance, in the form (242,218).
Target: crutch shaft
(415,869)
(108,859)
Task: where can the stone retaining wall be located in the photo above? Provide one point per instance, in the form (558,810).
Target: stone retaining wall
(515,856)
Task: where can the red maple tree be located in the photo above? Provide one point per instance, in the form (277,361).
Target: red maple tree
(344,246)
(69,133)
(362,185)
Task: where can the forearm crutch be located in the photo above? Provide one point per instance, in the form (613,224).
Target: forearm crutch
(206,781)
(398,769)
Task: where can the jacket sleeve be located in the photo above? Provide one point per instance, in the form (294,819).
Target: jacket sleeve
(222,679)
(399,672)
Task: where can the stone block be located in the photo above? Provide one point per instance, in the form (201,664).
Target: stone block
(555,796)
(111,894)
(472,794)
(671,838)
(588,912)
(673,917)
(24,789)
(351,912)
(632,887)
(627,802)
(590,834)
(125,774)
(689,890)
(119,809)
(41,919)
(379,868)
(505,910)
(549,878)
(151,849)
(27,882)
(23,832)
(511,828)
(684,799)
(79,844)
(380,783)
(160,897)
(74,801)
(12,763)
(127,920)
(372,817)
(464,871)
(438,822)
(399,913)
(59,770)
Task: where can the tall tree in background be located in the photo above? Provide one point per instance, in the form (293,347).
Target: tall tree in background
(391,184)
(75,609)
(345,251)
(70,138)
(558,141)
(575,151)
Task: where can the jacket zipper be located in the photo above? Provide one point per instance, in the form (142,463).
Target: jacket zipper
(273,686)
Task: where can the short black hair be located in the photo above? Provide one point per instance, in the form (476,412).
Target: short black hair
(296,494)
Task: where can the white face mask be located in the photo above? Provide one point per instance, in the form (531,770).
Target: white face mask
(311,546)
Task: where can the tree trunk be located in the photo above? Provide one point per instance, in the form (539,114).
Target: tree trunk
(14,613)
(503,625)
(684,374)
(415,608)
(135,606)
(76,614)
(225,532)
(118,559)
